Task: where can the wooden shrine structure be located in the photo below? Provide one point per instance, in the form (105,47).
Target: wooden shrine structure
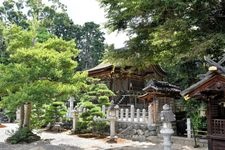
(126,82)
(211,89)
(159,93)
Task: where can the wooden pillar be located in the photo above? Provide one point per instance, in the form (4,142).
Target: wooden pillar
(209,123)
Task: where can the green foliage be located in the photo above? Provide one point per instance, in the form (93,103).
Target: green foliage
(90,40)
(197,122)
(23,135)
(37,72)
(167,32)
(96,95)
(100,127)
(53,20)
(48,113)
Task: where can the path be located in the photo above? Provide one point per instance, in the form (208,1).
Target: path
(63,141)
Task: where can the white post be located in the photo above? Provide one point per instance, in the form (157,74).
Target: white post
(138,115)
(103,109)
(126,114)
(132,113)
(188,128)
(143,115)
(121,114)
(150,121)
(18,114)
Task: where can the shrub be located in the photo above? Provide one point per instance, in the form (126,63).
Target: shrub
(23,135)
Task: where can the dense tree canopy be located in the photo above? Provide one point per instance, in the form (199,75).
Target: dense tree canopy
(170,31)
(37,73)
(53,19)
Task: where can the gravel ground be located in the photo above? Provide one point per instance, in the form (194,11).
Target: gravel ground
(63,141)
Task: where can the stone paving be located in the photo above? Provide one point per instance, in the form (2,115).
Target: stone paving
(63,141)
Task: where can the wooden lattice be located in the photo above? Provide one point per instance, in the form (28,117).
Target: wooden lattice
(218,127)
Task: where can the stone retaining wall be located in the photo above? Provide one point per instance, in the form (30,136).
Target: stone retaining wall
(135,131)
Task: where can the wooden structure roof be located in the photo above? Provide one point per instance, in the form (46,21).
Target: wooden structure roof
(107,70)
(160,89)
(161,86)
(212,82)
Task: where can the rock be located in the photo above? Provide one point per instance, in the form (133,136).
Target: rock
(152,128)
(141,138)
(135,137)
(153,133)
(143,127)
(136,126)
(147,133)
(140,132)
(132,132)
(124,125)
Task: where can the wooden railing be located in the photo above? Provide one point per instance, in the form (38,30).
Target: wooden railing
(218,127)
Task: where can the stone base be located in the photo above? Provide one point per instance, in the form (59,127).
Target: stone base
(135,131)
(112,140)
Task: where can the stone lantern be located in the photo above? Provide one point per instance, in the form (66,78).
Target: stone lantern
(75,118)
(167,116)
(112,118)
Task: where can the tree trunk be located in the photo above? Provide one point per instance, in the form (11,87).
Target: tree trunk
(21,116)
(27,115)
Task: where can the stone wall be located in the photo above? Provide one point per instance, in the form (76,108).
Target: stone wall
(135,131)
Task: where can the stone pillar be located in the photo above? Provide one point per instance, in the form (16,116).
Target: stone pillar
(126,114)
(188,128)
(112,127)
(132,113)
(150,120)
(103,109)
(167,116)
(75,119)
(156,113)
(138,115)
(143,115)
(18,114)
(71,107)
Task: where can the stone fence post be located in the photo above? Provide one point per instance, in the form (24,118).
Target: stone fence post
(132,113)
(126,114)
(188,128)
(150,120)
(143,115)
(138,115)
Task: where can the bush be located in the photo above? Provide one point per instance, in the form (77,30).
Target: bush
(23,135)
(100,127)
